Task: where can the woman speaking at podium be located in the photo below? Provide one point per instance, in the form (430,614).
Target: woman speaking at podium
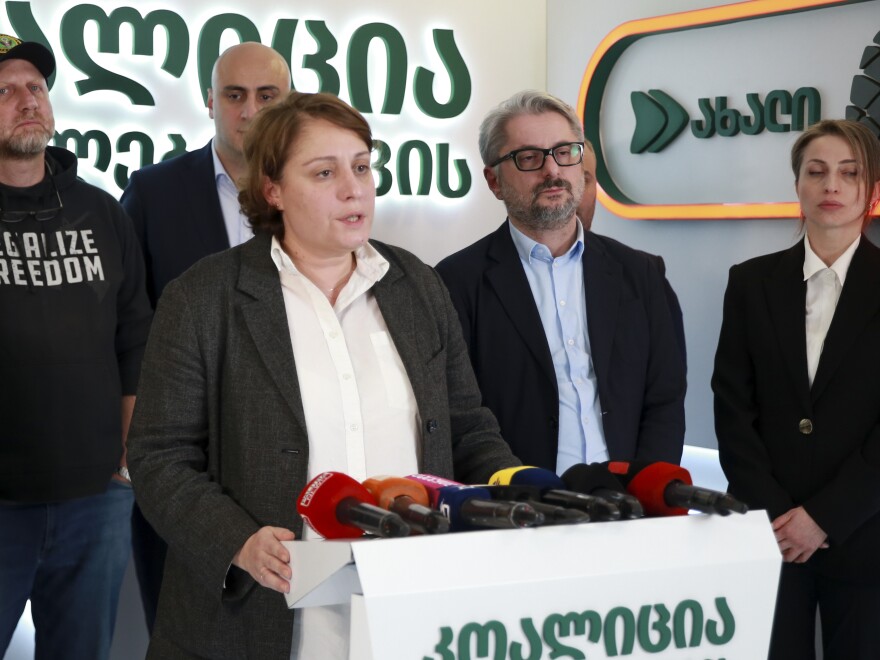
(797,398)
(309,348)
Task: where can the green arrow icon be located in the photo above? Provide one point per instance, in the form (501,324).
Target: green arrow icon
(659,120)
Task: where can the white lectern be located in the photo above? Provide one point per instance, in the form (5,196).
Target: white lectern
(660,588)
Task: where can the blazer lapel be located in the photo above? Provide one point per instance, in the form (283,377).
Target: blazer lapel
(266,319)
(602,292)
(203,203)
(859,302)
(786,297)
(508,280)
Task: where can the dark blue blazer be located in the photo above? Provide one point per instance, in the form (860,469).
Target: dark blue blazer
(639,365)
(176,214)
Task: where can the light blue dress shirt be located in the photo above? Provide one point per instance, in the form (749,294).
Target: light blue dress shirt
(237,228)
(558,288)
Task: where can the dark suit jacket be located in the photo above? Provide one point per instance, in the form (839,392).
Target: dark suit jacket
(639,367)
(176,215)
(218,445)
(762,394)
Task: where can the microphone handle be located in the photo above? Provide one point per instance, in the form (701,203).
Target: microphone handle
(371,518)
(598,508)
(629,505)
(419,517)
(680,494)
(501,515)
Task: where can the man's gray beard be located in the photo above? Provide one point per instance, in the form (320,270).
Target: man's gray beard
(542,218)
(25,145)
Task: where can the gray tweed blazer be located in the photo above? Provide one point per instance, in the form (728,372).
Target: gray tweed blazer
(218,445)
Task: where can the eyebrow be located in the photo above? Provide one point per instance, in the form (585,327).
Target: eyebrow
(360,154)
(242,88)
(842,162)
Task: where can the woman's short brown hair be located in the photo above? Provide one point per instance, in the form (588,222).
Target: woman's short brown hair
(863,143)
(267,146)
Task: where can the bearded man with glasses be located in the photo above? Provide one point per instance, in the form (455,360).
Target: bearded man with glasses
(570,333)
(75,318)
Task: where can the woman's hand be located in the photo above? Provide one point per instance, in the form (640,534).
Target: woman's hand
(265,559)
(798,535)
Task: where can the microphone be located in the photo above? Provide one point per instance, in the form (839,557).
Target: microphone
(553,491)
(338,507)
(472,507)
(667,490)
(409,500)
(553,514)
(595,479)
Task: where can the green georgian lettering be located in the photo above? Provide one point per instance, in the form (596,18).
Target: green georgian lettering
(282,38)
(383,155)
(143,27)
(610,631)
(778,101)
(460,78)
(661,626)
(178,146)
(81,143)
(679,622)
(754,124)
(482,633)
(442,647)
(706,127)
(535,645)
(25,26)
(396,63)
(461,168)
(209,43)
(727,621)
(806,100)
(727,120)
(123,145)
(570,624)
(426,166)
(328,78)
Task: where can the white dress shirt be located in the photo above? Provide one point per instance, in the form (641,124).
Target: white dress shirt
(824,284)
(360,410)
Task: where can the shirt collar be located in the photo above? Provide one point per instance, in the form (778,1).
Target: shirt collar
(370,264)
(529,249)
(221,176)
(813,264)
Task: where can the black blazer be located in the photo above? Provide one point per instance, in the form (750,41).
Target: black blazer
(636,355)
(784,444)
(176,214)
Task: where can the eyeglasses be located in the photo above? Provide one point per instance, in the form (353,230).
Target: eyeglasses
(532,158)
(40,216)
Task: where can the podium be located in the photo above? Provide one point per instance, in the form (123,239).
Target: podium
(693,586)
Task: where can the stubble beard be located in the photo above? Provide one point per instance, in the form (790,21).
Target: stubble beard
(25,144)
(536,216)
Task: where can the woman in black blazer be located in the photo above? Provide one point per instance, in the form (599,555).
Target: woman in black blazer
(797,398)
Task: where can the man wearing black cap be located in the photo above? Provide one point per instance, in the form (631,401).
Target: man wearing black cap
(75,318)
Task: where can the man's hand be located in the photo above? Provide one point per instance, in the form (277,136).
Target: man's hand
(265,559)
(798,535)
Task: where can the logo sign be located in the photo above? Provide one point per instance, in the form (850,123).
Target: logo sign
(681,116)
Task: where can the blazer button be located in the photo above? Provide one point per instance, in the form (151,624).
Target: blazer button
(432,425)
(805,426)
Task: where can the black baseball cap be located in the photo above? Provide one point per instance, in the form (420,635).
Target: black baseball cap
(13,48)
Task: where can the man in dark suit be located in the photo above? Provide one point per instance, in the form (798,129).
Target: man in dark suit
(187,208)
(570,333)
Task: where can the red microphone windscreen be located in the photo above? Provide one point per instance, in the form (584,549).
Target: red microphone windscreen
(318,501)
(649,486)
